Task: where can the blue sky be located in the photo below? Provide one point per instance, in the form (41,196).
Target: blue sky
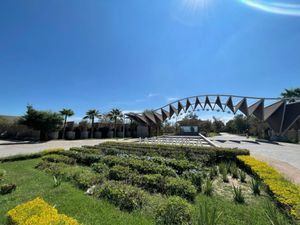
(139,54)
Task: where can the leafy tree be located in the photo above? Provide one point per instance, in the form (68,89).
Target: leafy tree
(91,115)
(114,115)
(44,121)
(66,113)
(291,93)
(217,125)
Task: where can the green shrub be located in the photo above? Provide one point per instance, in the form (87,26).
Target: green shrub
(255,186)
(242,176)
(57,181)
(59,158)
(234,171)
(142,166)
(174,211)
(82,158)
(223,168)
(81,176)
(119,173)
(7,188)
(180,165)
(208,216)
(195,177)
(208,188)
(124,196)
(224,176)
(209,154)
(213,172)
(99,167)
(238,195)
(151,182)
(181,187)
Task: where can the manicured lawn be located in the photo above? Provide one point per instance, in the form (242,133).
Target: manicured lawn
(69,200)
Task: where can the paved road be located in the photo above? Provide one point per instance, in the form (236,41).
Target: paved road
(284,156)
(8,148)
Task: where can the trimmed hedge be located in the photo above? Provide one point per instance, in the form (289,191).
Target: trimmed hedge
(81,176)
(175,211)
(208,154)
(142,166)
(180,187)
(83,158)
(284,191)
(59,158)
(122,195)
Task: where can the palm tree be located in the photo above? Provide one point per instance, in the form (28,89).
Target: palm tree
(114,115)
(91,115)
(291,93)
(66,113)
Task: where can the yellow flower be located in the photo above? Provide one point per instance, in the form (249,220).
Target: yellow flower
(38,212)
(285,192)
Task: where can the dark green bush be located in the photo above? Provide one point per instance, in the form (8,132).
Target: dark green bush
(81,176)
(82,158)
(140,165)
(209,154)
(181,187)
(118,172)
(151,182)
(174,211)
(255,186)
(59,158)
(238,195)
(195,177)
(7,188)
(180,165)
(99,167)
(208,188)
(242,176)
(124,196)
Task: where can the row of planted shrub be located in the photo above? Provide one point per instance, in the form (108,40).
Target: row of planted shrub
(37,212)
(284,191)
(83,177)
(174,151)
(132,171)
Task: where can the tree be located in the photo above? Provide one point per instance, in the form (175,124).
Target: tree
(217,125)
(291,93)
(66,113)
(91,115)
(114,115)
(44,121)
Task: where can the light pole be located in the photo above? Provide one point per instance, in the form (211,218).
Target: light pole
(123,126)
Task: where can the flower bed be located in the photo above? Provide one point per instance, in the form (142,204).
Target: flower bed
(38,212)
(285,192)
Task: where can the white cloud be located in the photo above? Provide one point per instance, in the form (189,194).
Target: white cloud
(150,95)
(171,99)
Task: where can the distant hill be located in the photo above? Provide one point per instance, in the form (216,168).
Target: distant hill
(9,118)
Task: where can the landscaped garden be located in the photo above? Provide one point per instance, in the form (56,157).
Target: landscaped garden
(133,183)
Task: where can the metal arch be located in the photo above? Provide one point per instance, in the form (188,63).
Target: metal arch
(276,115)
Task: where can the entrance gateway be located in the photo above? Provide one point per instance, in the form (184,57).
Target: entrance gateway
(280,113)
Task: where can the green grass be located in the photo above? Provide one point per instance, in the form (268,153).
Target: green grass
(69,200)
(239,214)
